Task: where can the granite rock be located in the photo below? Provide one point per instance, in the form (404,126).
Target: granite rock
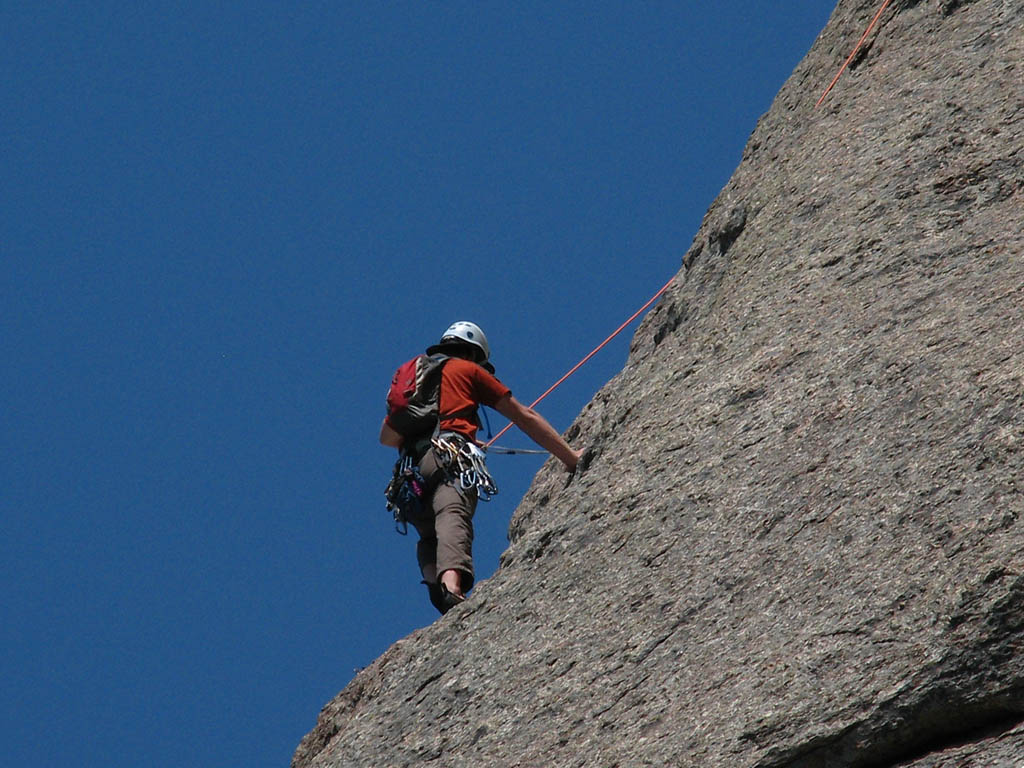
(797,541)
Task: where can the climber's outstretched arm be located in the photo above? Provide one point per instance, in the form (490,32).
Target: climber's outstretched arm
(539,430)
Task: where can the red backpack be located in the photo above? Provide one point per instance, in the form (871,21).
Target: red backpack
(414,396)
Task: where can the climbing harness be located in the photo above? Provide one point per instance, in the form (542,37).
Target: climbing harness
(465,463)
(405,492)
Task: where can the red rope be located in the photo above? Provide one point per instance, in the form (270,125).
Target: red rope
(596,349)
(856,48)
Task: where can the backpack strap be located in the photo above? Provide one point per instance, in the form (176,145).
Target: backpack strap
(470,411)
(441,359)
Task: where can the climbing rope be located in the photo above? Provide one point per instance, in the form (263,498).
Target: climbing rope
(578,365)
(855,49)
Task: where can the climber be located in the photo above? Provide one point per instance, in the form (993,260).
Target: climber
(444,520)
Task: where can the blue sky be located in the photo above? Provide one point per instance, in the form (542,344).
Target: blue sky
(223,225)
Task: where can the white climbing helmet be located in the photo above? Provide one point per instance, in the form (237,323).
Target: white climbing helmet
(471,333)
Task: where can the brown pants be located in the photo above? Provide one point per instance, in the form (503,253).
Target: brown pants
(446,526)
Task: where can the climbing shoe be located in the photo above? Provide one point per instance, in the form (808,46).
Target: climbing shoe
(436,595)
(441,598)
(449,599)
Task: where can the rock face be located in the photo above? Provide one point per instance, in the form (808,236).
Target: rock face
(798,537)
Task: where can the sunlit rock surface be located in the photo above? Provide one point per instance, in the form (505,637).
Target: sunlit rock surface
(798,539)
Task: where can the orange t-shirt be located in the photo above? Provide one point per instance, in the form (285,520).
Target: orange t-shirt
(464,385)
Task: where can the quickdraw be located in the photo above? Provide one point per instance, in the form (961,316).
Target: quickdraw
(404,493)
(465,462)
